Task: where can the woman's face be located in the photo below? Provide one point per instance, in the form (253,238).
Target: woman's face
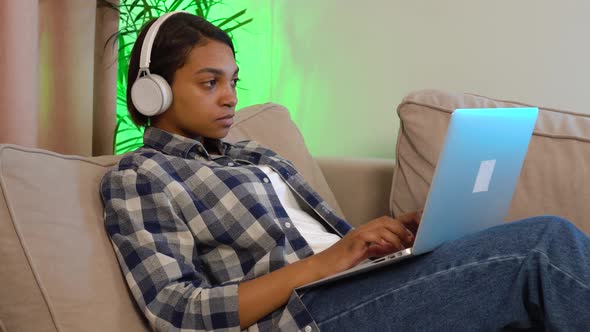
(204,93)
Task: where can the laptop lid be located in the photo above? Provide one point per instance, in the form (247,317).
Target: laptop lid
(476,173)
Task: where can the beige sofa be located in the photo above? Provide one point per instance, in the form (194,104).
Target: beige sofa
(58,271)
(555,178)
(57,268)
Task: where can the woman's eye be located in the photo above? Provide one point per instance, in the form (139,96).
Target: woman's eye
(210,84)
(235,82)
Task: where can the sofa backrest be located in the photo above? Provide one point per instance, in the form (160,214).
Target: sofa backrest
(58,269)
(556,170)
(61,270)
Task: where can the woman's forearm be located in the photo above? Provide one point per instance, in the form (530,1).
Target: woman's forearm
(261,296)
(381,236)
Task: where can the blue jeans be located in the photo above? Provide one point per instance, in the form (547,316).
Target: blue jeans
(532,274)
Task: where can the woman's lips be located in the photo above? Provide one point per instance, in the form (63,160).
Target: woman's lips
(226,121)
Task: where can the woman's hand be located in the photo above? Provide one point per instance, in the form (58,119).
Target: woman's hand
(378,237)
(260,296)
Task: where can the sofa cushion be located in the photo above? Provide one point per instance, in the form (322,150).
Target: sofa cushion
(59,271)
(65,259)
(554,175)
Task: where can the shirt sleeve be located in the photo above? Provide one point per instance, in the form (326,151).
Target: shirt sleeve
(157,254)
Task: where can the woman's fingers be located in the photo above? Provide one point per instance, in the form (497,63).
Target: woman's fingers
(369,236)
(387,231)
(411,220)
(385,235)
(391,239)
(398,228)
(381,250)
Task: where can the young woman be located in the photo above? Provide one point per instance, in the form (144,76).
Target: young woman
(216,236)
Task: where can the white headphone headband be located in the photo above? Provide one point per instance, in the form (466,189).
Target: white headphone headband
(148,42)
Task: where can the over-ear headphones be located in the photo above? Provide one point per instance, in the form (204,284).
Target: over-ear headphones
(151,94)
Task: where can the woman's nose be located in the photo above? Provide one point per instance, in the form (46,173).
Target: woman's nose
(229,97)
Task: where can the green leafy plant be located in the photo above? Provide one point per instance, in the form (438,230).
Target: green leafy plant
(133,14)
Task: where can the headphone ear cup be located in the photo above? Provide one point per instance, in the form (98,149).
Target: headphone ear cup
(151,95)
(166,91)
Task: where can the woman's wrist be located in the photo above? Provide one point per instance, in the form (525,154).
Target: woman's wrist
(316,267)
(260,296)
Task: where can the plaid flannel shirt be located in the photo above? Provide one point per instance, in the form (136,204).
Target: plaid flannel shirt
(188,226)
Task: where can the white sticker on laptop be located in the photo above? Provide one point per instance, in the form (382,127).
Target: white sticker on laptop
(484,176)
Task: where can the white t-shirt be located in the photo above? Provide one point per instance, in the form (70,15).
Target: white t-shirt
(312,230)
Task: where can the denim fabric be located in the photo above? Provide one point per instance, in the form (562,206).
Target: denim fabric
(532,274)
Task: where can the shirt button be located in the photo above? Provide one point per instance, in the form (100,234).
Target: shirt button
(230,164)
(288,224)
(308,328)
(265,180)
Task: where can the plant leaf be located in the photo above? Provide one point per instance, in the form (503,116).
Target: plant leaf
(148,9)
(130,129)
(127,148)
(207,5)
(132,139)
(239,25)
(140,15)
(133,5)
(231,18)
(174,5)
(199,11)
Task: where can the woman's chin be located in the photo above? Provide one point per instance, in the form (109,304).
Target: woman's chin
(220,134)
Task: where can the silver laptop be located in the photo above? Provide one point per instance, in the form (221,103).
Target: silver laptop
(473,182)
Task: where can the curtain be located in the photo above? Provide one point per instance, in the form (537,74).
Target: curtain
(58,87)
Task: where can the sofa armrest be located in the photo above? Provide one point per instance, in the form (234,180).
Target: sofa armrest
(361,186)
